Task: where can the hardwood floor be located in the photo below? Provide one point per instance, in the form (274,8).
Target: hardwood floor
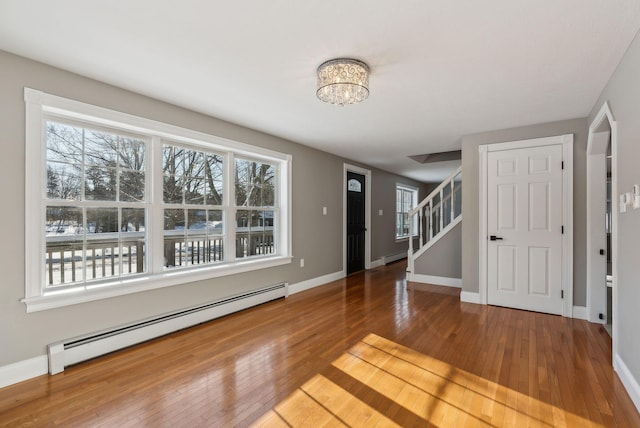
(364,350)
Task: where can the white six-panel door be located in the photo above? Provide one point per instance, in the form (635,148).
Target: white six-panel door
(524,225)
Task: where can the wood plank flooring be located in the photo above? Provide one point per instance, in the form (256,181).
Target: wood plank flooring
(362,351)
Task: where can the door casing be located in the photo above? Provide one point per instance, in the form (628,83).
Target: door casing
(567,212)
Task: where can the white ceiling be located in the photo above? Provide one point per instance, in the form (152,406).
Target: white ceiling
(439,69)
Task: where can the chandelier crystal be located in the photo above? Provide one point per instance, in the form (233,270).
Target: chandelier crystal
(343,81)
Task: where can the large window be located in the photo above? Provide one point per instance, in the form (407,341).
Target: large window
(95,215)
(406,199)
(129,204)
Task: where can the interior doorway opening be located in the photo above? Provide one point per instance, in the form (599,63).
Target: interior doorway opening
(602,221)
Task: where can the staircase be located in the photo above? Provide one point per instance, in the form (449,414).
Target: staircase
(434,217)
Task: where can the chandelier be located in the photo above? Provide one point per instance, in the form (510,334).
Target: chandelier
(343,81)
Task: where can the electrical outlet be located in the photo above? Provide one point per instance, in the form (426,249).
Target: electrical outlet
(301,262)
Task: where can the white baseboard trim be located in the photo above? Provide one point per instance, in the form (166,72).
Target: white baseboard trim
(435,280)
(470,297)
(315,282)
(630,383)
(581,313)
(376,263)
(23,370)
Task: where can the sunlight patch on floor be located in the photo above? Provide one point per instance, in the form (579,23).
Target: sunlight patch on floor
(425,388)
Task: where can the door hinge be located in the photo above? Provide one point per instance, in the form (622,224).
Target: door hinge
(562,229)
(562,164)
(562,294)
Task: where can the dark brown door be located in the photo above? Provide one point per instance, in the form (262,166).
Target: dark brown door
(355,222)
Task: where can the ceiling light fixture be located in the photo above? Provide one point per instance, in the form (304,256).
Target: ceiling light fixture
(343,81)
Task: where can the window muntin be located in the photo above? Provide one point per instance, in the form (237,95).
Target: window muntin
(406,199)
(102,233)
(55,180)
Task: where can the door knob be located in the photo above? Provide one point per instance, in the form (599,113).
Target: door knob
(495,238)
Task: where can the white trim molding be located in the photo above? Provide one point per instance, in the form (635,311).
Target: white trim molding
(630,383)
(315,282)
(23,370)
(581,313)
(377,263)
(470,297)
(434,280)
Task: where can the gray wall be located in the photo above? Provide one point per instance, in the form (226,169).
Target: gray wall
(443,258)
(317,182)
(623,94)
(470,202)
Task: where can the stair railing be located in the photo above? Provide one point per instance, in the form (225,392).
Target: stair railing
(435,215)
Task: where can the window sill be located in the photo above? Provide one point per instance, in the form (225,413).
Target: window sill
(137,284)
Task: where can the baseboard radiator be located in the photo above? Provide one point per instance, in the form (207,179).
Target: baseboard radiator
(72,351)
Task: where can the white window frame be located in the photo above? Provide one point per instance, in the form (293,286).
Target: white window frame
(40,105)
(414,203)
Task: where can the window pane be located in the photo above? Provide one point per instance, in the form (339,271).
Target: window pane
(174,230)
(100,184)
(194,190)
(172,189)
(197,222)
(64,242)
(216,224)
(354,185)
(132,154)
(254,233)
(215,231)
(64,143)
(171,160)
(64,181)
(132,235)
(193,177)
(254,184)
(132,184)
(214,176)
(101,149)
(407,201)
(193,164)
(102,257)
